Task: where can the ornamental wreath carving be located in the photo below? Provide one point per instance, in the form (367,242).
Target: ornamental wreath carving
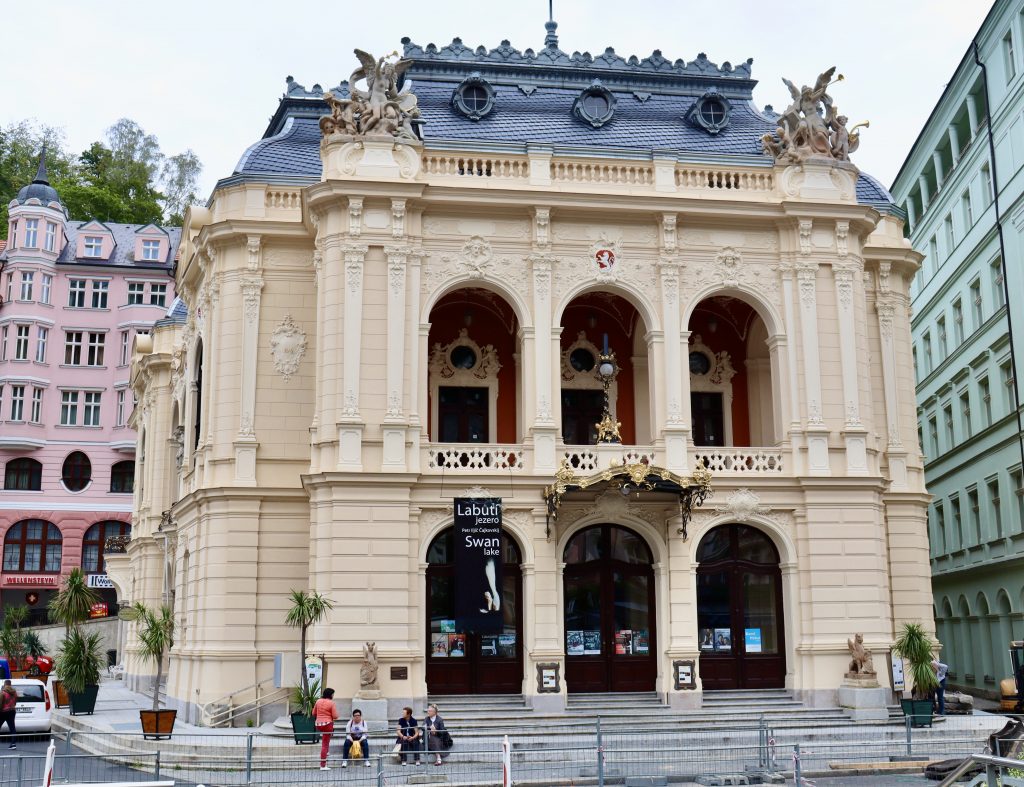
(287,345)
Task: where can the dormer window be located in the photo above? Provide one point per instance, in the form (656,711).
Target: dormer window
(595,105)
(474,97)
(31,233)
(151,250)
(710,112)
(93,246)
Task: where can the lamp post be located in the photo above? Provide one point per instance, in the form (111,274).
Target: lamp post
(607,368)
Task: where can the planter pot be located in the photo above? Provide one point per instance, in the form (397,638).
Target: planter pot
(83,702)
(304,728)
(60,694)
(157,724)
(920,712)
(19,673)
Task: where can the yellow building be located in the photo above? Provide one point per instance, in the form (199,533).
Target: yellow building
(403,295)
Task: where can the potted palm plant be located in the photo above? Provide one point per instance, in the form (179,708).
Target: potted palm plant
(306,610)
(14,646)
(915,647)
(79,661)
(156,637)
(70,606)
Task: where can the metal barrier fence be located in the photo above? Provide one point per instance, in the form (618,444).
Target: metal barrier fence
(599,754)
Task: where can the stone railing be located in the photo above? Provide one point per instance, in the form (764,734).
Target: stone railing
(116,545)
(740,461)
(708,179)
(474,457)
(504,167)
(586,459)
(290,199)
(599,172)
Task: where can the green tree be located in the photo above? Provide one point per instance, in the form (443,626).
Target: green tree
(20,144)
(307,609)
(156,637)
(71,604)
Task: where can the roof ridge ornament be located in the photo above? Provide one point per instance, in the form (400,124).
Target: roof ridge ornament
(41,175)
(811,126)
(551,39)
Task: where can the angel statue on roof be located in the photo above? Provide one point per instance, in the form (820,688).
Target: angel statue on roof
(378,110)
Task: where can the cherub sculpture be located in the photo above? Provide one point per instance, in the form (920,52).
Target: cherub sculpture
(379,109)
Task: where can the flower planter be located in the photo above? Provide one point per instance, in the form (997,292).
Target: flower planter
(83,702)
(60,694)
(920,712)
(304,728)
(157,724)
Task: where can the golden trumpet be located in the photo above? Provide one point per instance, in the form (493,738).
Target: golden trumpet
(866,124)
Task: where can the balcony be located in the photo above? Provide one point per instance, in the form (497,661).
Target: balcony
(740,461)
(474,458)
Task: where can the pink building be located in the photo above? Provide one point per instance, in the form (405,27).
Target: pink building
(73,295)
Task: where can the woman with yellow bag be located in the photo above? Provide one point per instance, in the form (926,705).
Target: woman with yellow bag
(357,745)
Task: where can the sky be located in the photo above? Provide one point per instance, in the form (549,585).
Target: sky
(207,75)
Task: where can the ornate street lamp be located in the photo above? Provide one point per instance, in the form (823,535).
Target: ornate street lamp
(607,368)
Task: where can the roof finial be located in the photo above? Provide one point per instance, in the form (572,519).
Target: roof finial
(551,39)
(41,176)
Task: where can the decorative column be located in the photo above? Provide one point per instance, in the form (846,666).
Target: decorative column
(675,428)
(972,115)
(350,424)
(817,432)
(887,304)
(939,177)
(545,428)
(854,433)
(393,428)
(954,144)
(922,182)
(245,441)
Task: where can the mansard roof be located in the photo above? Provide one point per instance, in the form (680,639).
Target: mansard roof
(534,94)
(123,254)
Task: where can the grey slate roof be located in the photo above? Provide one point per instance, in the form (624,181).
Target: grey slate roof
(176,314)
(124,247)
(534,95)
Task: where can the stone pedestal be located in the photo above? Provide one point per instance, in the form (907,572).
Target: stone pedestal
(369,158)
(374,708)
(864,703)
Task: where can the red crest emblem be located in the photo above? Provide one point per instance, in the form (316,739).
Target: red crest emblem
(605,258)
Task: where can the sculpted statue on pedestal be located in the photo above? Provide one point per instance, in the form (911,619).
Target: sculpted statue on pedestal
(811,126)
(368,670)
(379,110)
(861,661)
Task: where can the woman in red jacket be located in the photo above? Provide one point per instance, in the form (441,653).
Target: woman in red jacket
(324,714)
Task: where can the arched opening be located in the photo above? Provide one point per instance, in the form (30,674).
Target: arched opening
(122,477)
(591,323)
(739,610)
(197,399)
(609,611)
(32,547)
(473,369)
(963,659)
(468,662)
(94,544)
(23,475)
(732,366)
(985,660)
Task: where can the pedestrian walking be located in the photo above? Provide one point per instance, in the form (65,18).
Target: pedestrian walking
(355,731)
(940,690)
(8,711)
(324,714)
(438,738)
(409,737)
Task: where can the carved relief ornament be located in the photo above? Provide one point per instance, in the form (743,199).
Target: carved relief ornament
(287,345)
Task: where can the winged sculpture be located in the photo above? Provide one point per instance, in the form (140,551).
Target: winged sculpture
(811,125)
(380,109)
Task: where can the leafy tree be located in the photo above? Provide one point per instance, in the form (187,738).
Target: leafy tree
(306,610)
(20,144)
(156,637)
(73,601)
(180,176)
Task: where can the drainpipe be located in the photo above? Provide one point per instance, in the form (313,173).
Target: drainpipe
(1002,252)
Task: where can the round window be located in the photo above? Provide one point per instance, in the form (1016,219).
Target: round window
(474,97)
(699,363)
(712,112)
(581,359)
(463,357)
(76,472)
(595,105)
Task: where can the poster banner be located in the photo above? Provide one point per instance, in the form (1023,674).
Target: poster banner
(478,565)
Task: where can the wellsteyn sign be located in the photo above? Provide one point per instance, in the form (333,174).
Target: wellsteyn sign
(478,565)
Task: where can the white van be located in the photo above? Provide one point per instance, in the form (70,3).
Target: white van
(33,710)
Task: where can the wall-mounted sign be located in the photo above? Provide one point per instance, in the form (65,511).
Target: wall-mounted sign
(98,610)
(99,581)
(14,580)
(478,566)
(549,678)
(399,673)
(683,671)
(314,670)
(752,640)
(899,682)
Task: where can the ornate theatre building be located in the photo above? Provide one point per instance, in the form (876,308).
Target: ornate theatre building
(596,288)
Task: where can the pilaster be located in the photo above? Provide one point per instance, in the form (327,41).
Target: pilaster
(807,287)
(545,434)
(393,429)
(673,429)
(845,273)
(245,443)
(350,424)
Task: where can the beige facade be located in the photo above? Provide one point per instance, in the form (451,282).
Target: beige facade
(305,452)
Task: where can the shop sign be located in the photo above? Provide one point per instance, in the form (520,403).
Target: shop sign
(14,580)
(99,610)
(99,581)
(478,565)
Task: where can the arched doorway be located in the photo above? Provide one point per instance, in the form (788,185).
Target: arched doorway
(460,662)
(609,611)
(739,610)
